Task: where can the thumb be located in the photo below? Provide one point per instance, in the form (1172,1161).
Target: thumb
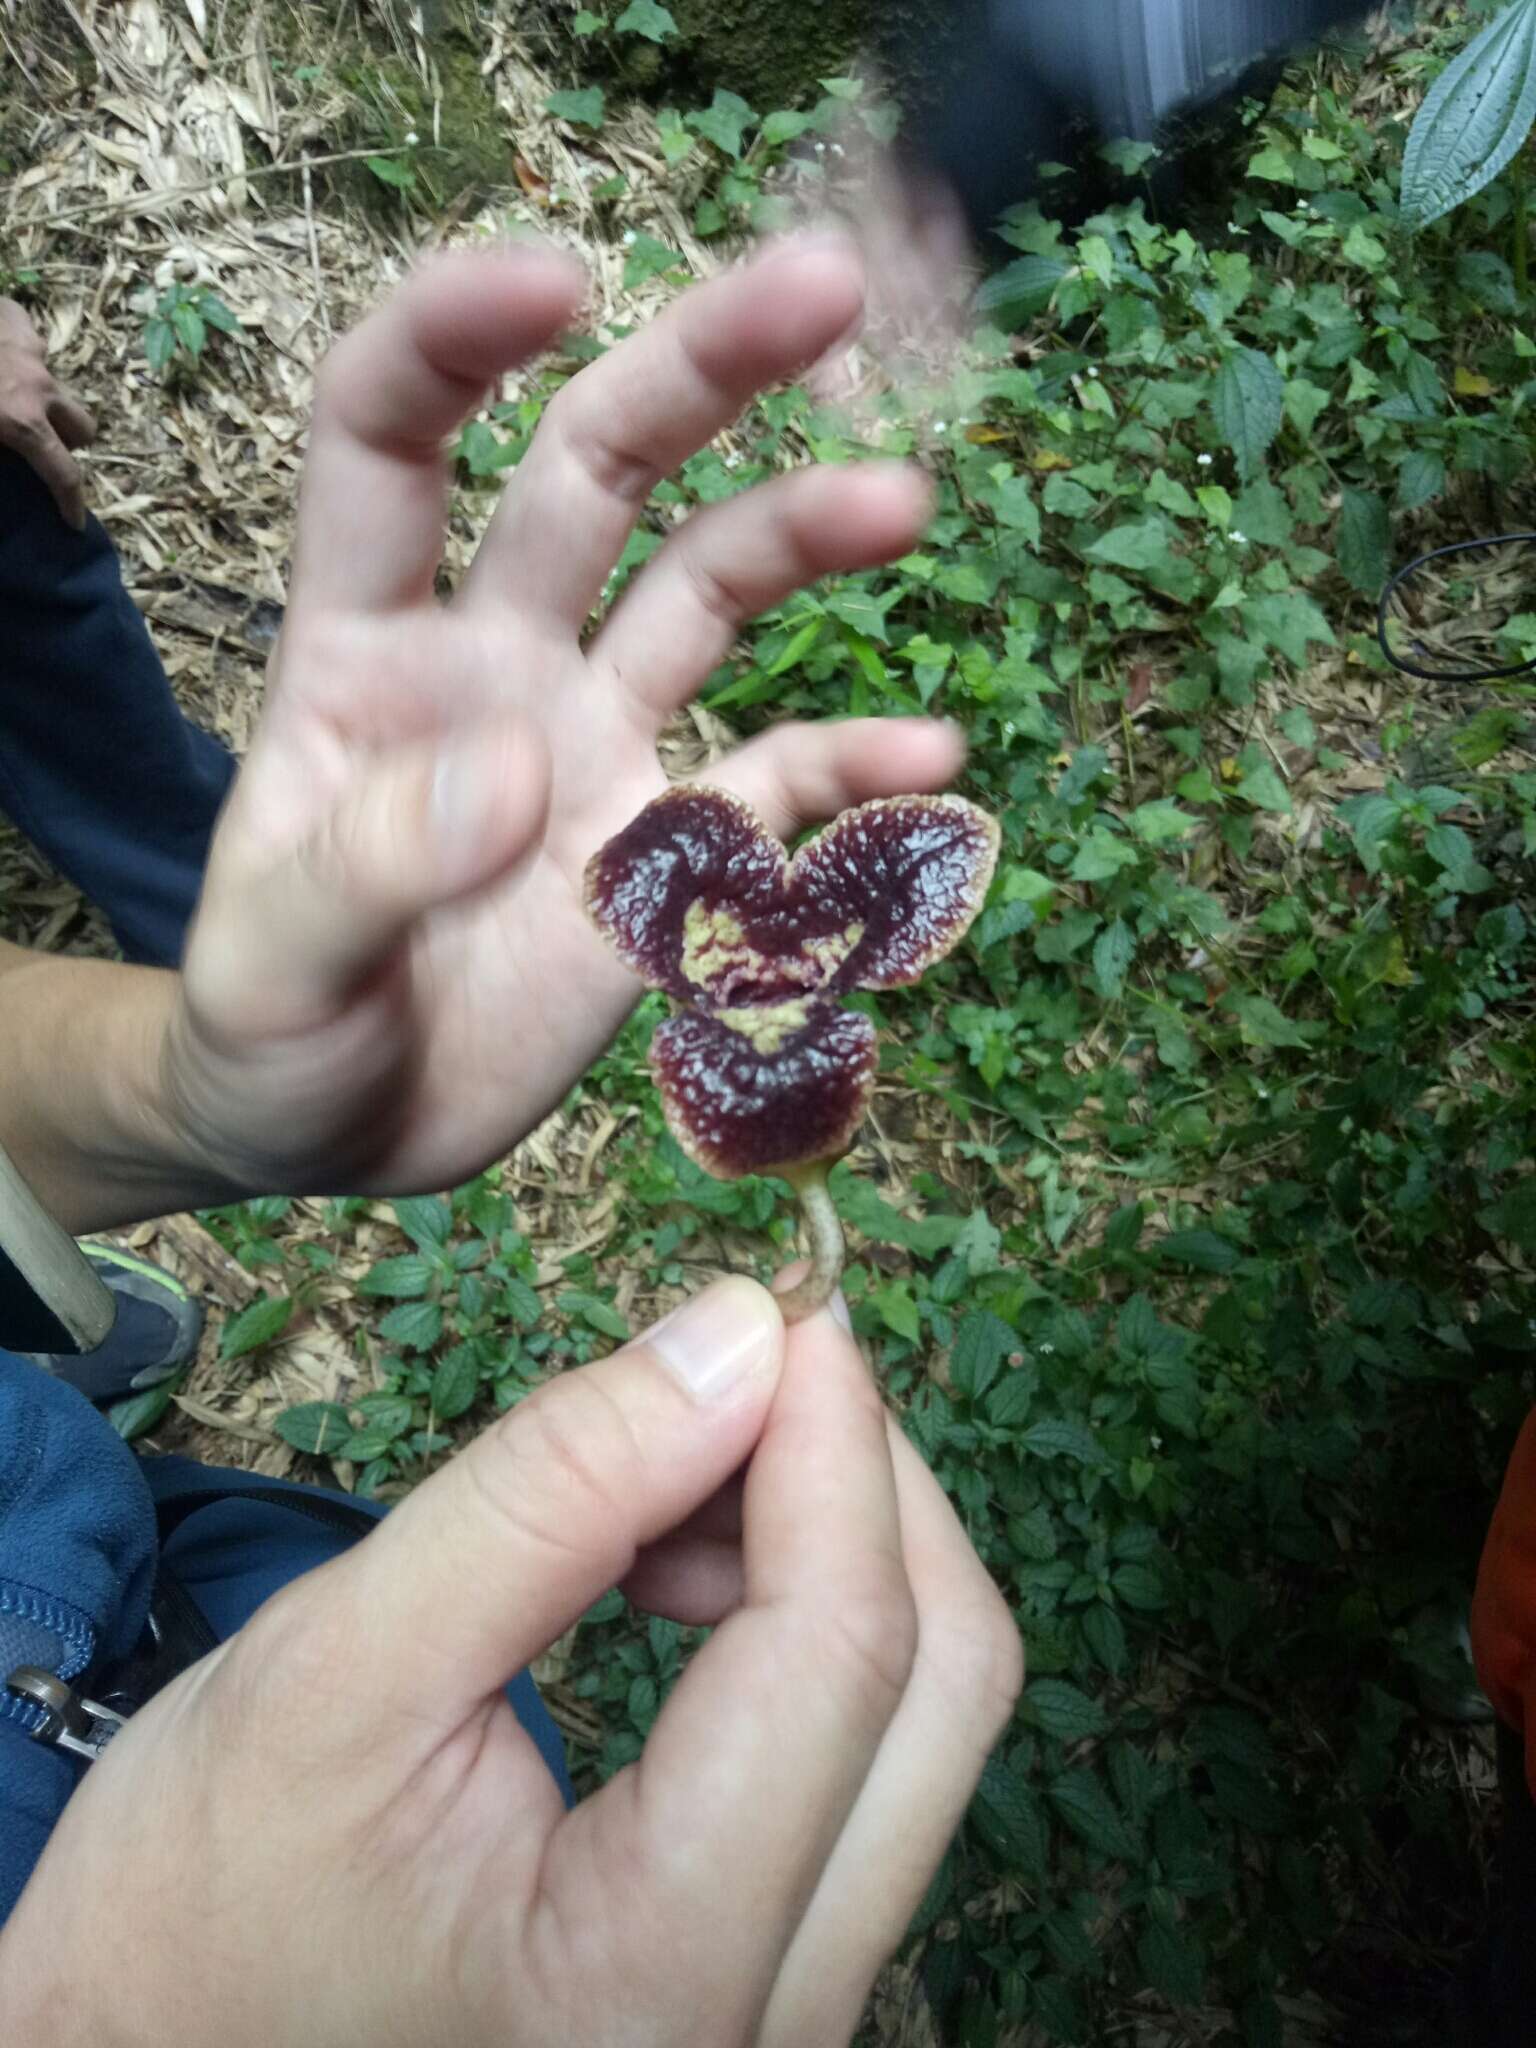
(496,1555)
(284,945)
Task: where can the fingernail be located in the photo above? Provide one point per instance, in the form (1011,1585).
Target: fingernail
(839,1308)
(715,1343)
(465,789)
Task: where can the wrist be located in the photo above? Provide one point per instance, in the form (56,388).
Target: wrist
(90,1115)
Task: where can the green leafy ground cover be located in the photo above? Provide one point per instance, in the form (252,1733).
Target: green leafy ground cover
(1194,1237)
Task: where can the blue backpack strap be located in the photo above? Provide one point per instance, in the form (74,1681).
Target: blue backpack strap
(77,1560)
(233,1539)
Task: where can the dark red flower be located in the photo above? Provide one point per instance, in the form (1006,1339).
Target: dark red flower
(762,1070)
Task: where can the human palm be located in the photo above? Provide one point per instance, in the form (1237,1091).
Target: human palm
(391,977)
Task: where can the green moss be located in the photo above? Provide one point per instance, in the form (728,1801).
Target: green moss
(467,156)
(771,51)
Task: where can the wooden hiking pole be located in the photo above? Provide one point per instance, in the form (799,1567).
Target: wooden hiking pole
(51,1263)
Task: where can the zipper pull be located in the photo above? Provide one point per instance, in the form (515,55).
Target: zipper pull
(80,1726)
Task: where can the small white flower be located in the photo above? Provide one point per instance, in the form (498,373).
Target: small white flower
(1205,461)
(821,149)
(1156,1442)
(1303,206)
(941,426)
(1047,1350)
(1092,372)
(629,238)
(411,136)
(1239,540)
(838,149)
(732,461)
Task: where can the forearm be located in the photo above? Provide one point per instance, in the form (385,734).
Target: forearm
(84,1110)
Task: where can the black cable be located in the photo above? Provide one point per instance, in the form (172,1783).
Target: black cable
(1430,675)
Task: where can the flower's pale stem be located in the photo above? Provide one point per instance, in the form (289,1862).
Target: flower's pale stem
(825,1234)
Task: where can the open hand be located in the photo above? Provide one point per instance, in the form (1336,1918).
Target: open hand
(391,977)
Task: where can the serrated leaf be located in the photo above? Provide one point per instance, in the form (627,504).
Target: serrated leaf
(1062,1439)
(159,343)
(1172,1964)
(390,171)
(1063,1710)
(318,1428)
(1021,290)
(522,1301)
(409,1274)
(1513,1215)
(1474,118)
(1113,952)
(982,1342)
(259,1324)
(1012,1398)
(455,1382)
(425,1219)
(1092,1815)
(414,1325)
(897,1310)
(1201,1249)
(1364,541)
(1011,1820)
(1248,401)
(1420,478)
(1104,1633)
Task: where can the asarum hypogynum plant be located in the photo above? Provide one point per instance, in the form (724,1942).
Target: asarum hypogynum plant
(761,1071)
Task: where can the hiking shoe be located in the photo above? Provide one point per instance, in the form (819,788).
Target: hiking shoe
(155,1332)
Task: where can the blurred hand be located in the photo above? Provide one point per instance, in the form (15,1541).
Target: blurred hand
(38,418)
(391,977)
(334,1830)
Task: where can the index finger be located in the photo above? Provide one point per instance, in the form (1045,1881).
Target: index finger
(370,529)
(752,1770)
(628,419)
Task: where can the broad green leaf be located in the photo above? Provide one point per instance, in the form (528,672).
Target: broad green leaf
(1010,1819)
(646,258)
(1365,541)
(1089,1811)
(1161,821)
(1104,1633)
(1264,788)
(982,1342)
(1263,1023)
(1249,405)
(1143,544)
(1201,1249)
(1022,290)
(1172,1964)
(646,18)
(724,121)
(1474,118)
(1113,952)
(414,1325)
(316,1427)
(1062,1439)
(1012,1398)
(583,108)
(425,1219)
(140,1412)
(1063,1711)
(455,1383)
(259,1324)
(897,1310)
(389,170)
(596,1313)
(1513,1215)
(408,1275)
(1421,478)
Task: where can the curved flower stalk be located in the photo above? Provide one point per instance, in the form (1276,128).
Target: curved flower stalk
(760,1070)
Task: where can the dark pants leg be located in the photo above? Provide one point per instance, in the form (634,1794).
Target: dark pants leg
(97,764)
(1513,1976)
